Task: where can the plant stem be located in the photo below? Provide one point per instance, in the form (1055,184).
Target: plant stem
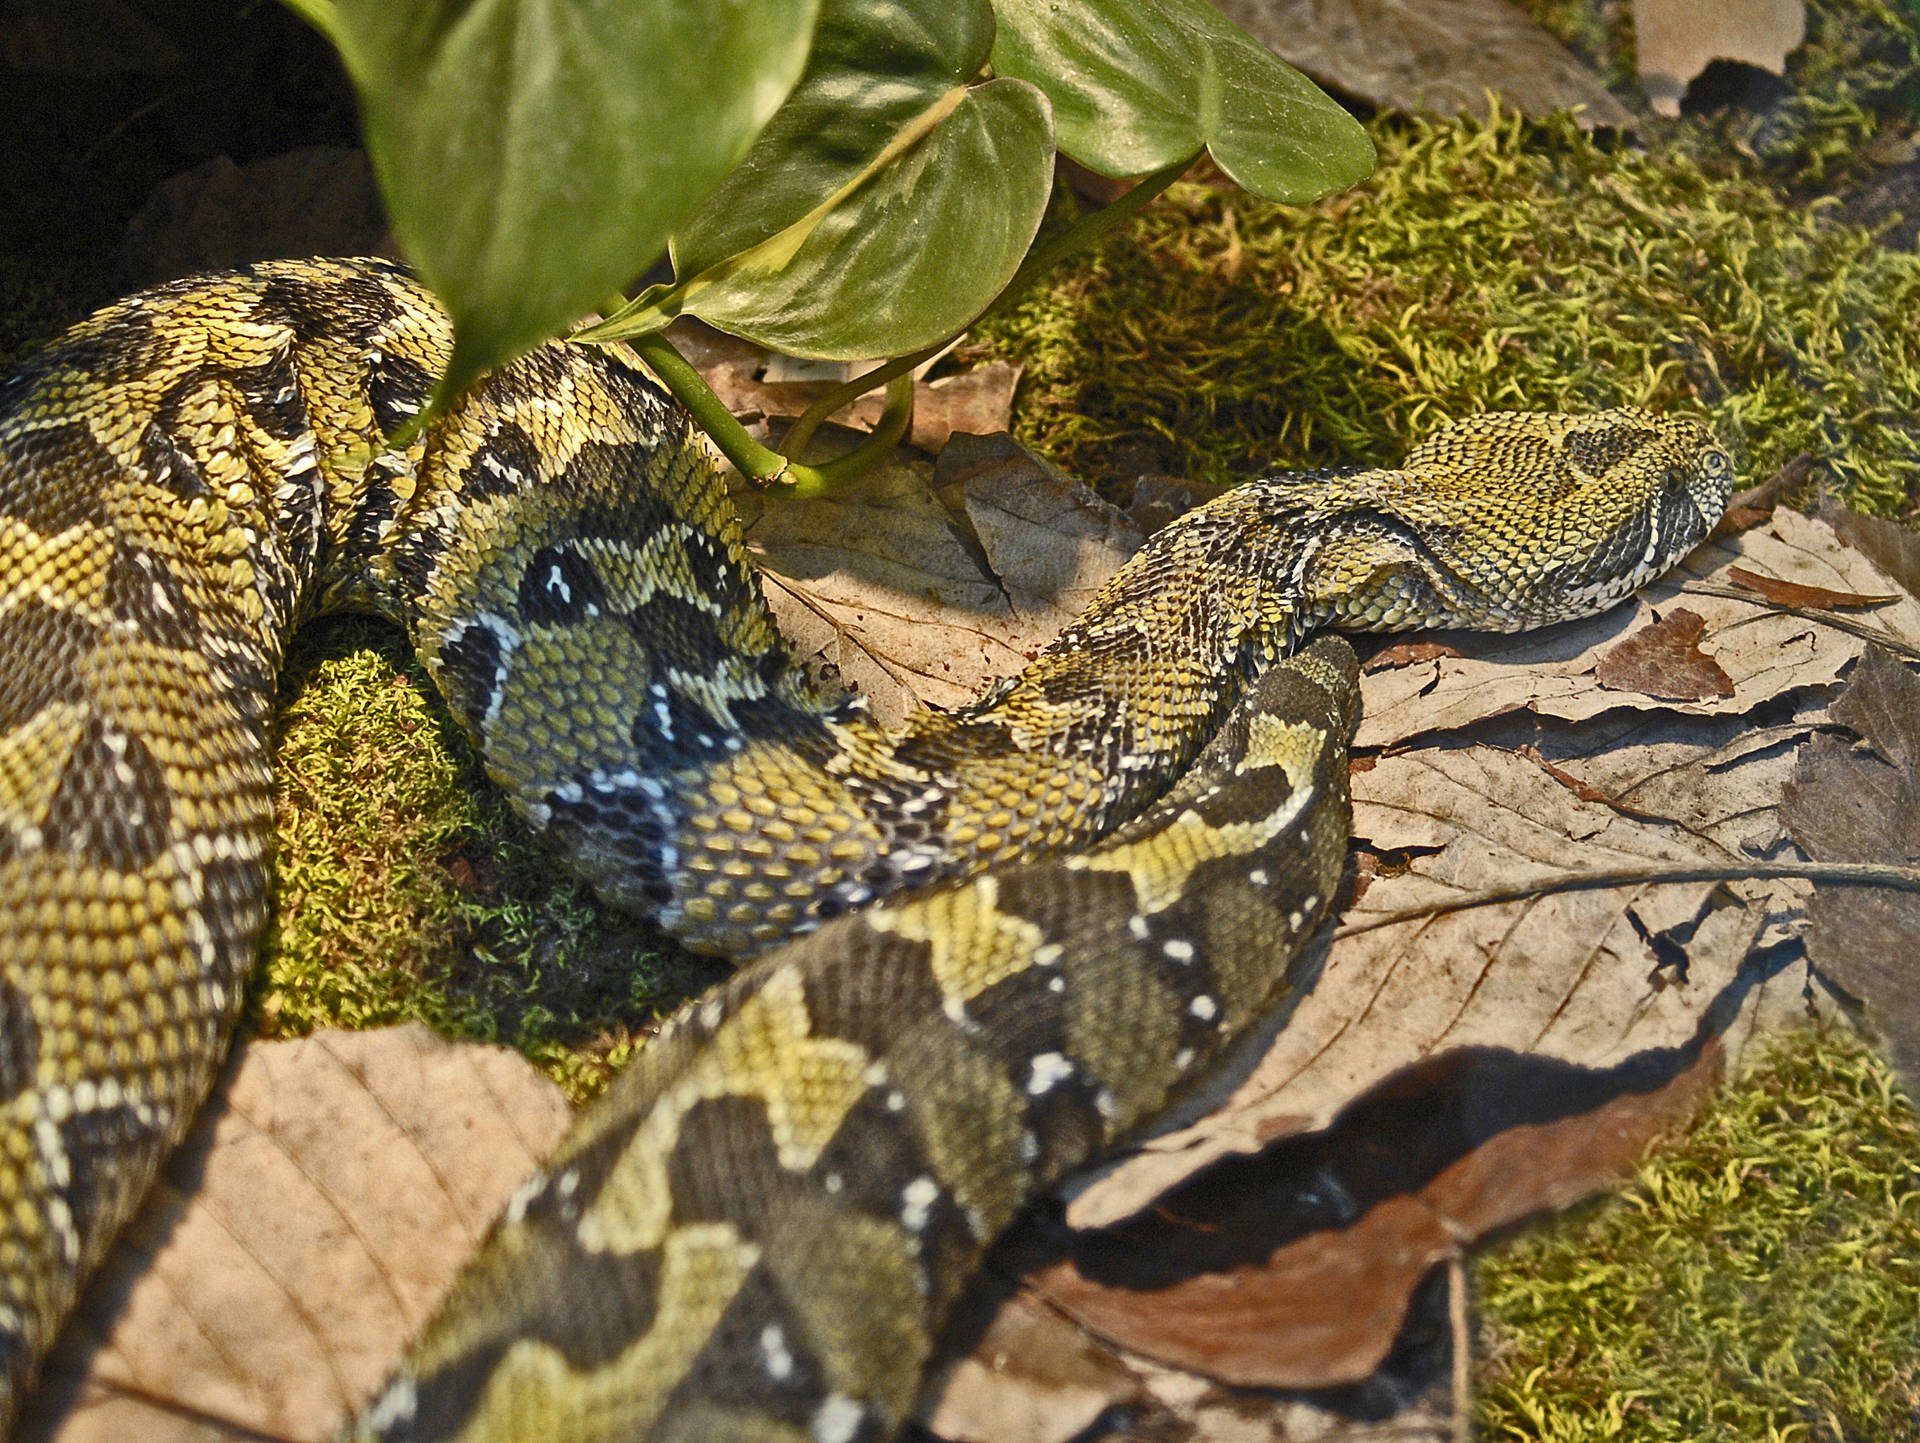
(1832,874)
(819,479)
(677,374)
(764,466)
(1082,233)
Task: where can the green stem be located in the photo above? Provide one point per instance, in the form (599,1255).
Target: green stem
(1082,233)
(892,425)
(767,467)
(677,374)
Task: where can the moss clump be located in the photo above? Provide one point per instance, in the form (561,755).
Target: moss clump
(1484,266)
(403,888)
(1759,1280)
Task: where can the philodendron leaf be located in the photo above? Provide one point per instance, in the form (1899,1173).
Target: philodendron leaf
(913,254)
(1138,84)
(884,206)
(536,154)
(881,73)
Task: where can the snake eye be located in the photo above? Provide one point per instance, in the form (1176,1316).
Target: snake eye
(1716,464)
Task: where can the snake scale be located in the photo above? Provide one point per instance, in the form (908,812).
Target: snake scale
(1082,885)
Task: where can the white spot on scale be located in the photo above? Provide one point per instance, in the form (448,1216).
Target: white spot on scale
(53,1152)
(896,1101)
(1046,1070)
(1294,919)
(1178,948)
(396,1405)
(1056,984)
(558,583)
(522,1199)
(836,1420)
(916,1202)
(1047,956)
(1258,876)
(774,1356)
(1137,925)
(1183,1059)
(833,1182)
(1204,1007)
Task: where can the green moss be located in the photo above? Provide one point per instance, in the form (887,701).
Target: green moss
(404,889)
(1484,266)
(1760,1279)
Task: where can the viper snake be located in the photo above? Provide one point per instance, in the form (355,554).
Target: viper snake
(1076,890)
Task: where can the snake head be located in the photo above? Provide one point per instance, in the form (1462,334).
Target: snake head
(1697,483)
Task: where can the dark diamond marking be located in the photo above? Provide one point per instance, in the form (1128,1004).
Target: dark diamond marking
(112,803)
(560,587)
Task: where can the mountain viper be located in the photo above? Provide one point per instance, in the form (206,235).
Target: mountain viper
(756,1232)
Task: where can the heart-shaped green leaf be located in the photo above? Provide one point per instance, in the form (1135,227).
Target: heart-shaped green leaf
(885,205)
(881,74)
(912,255)
(536,154)
(1139,84)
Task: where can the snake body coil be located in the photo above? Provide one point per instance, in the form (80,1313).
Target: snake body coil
(755,1235)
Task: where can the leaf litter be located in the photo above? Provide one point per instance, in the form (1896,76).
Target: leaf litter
(1264,1264)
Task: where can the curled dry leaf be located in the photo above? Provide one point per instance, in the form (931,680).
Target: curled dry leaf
(1812,598)
(1766,653)
(314,1217)
(1293,1267)
(1894,549)
(1434,55)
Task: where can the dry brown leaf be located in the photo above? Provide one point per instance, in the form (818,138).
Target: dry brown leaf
(320,200)
(978,401)
(1028,1373)
(1675,40)
(1050,540)
(1813,598)
(1294,1267)
(1434,55)
(1854,804)
(1894,549)
(313,1219)
(1664,660)
(1406,653)
(912,604)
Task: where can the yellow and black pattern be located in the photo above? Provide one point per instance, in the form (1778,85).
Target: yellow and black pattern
(757,1232)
